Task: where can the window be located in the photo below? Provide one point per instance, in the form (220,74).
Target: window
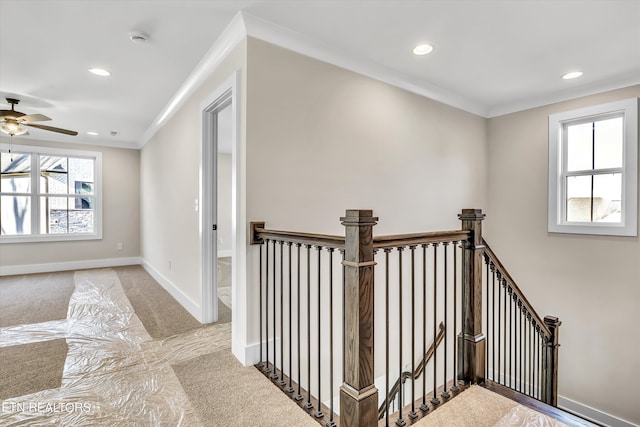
(49,194)
(593,170)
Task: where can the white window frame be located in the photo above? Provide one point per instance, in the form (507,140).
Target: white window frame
(36,193)
(558,122)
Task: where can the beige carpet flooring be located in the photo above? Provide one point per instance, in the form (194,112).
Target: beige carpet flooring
(479,407)
(29,368)
(157,310)
(34,298)
(194,360)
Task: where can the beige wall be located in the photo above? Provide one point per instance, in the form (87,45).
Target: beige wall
(321,139)
(592,283)
(170,186)
(121,214)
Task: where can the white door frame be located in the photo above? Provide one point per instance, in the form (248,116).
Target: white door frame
(216,101)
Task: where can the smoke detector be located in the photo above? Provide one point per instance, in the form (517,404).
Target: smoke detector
(138,37)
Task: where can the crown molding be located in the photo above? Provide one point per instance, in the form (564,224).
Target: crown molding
(245,25)
(307,46)
(233,34)
(618,82)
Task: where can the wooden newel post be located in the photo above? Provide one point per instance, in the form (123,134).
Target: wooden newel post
(471,348)
(358,394)
(550,362)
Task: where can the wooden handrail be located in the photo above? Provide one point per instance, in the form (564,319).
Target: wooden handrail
(399,240)
(379,242)
(419,369)
(258,234)
(512,283)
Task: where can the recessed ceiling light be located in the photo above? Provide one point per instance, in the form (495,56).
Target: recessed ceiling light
(422,49)
(92,133)
(572,75)
(99,72)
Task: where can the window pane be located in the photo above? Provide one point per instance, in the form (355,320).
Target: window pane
(59,215)
(608,143)
(579,198)
(53,215)
(15,215)
(579,147)
(54,175)
(81,176)
(607,196)
(16,172)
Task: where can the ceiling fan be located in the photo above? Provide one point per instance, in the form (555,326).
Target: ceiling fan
(14,122)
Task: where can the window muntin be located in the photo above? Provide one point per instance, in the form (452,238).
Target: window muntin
(593,170)
(59,202)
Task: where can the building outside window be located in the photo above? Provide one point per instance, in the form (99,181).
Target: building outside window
(593,162)
(49,194)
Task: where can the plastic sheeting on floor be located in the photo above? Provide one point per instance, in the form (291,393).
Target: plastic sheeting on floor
(115,373)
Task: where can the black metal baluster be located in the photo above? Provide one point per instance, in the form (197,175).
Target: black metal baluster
(510,334)
(529,324)
(504,335)
(455,388)
(261,364)
(308,404)
(289,389)
(387,322)
(412,414)
(298,397)
(331,422)
(318,413)
(493,322)
(435,399)
(274,375)
(445,394)
(281,382)
(521,346)
(488,335)
(424,407)
(400,421)
(266,306)
(499,277)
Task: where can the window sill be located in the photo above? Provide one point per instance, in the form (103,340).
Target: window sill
(50,238)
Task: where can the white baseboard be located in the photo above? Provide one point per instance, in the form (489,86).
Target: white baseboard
(592,414)
(225,254)
(192,307)
(250,354)
(10,270)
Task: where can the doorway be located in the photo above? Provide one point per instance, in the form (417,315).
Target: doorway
(224,211)
(217,206)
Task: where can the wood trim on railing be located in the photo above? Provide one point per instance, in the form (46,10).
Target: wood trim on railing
(505,274)
(259,233)
(399,240)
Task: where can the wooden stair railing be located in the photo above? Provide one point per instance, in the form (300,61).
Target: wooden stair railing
(393,392)
(543,385)
(474,358)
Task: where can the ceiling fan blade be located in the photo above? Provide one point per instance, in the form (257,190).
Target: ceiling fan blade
(52,129)
(33,118)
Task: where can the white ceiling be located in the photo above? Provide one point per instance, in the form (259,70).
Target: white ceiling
(490,57)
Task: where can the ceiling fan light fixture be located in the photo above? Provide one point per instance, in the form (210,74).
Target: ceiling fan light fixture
(423,49)
(99,72)
(13,128)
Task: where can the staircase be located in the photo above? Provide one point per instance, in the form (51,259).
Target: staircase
(345,320)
